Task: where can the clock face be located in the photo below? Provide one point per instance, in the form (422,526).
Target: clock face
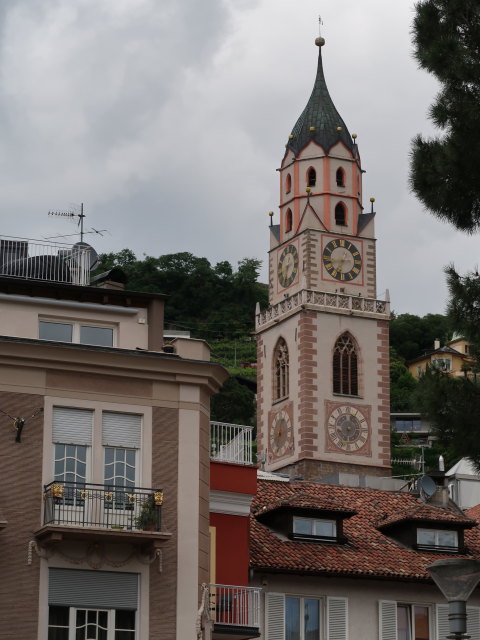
(342,260)
(348,428)
(288,265)
(281,434)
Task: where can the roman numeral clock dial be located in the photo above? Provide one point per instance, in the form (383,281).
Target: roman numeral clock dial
(342,260)
(287,269)
(347,428)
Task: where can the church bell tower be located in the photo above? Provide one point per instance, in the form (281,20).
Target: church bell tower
(323,359)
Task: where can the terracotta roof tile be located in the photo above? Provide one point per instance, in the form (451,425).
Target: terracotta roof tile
(368,551)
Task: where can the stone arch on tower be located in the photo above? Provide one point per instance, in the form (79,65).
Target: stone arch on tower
(346,365)
(281,370)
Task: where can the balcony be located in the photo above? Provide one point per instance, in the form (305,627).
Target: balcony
(231,443)
(340,303)
(84,511)
(235,612)
(41,260)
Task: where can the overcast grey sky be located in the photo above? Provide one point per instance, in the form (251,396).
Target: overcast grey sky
(168,119)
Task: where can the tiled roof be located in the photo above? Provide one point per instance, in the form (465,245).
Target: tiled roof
(425,513)
(304,500)
(368,552)
(474,513)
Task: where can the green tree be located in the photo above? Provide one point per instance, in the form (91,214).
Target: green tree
(402,385)
(453,406)
(411,335)
(446,36)
(234,404)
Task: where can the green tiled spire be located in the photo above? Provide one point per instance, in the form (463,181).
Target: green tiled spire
(320,113)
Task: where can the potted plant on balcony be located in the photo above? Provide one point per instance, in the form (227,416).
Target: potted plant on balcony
(147,518)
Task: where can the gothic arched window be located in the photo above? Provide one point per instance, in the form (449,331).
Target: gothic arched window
(345,366)
(280,370)
(311,177)
(340,177)
(340,214)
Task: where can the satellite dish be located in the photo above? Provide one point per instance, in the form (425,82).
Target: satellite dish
(92,255)
(426,486)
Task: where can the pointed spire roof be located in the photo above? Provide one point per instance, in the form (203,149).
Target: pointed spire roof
(320,113)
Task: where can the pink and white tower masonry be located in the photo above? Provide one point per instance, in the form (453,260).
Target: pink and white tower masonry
(323,360)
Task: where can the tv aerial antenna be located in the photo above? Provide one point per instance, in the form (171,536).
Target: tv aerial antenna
(81,217)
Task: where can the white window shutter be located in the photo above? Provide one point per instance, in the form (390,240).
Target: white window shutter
(441,617)
(275,616)
(337,618)
(72,426)
(387,612)
(473,622)
(121,430)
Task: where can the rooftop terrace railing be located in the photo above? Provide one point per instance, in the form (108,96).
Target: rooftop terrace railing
(42,260)
(231,443)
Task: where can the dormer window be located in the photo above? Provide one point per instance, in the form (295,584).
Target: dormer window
(437,540)
(314,528)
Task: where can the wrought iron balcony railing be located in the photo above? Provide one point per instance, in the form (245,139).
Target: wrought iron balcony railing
(42,260)
(231,443)
(81,504)
(235,606)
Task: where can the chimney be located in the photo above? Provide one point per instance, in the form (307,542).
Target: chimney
(436,344)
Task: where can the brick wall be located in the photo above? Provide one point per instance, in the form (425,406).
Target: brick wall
(21,505)
(163,594)
(308,389)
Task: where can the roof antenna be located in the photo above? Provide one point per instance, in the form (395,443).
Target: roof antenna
(71,214)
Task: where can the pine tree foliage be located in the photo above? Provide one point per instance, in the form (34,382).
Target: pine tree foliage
(444,169)
(464,304)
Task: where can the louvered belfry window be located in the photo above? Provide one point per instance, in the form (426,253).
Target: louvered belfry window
(280,380)
(345,366)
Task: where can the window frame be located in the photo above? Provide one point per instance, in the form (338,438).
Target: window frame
(410,607)
(346,366)
(303,614)
(76,326)
(296,535)
(436,546)
(72,628)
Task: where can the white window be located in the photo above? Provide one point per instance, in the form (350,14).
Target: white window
(70,623)
(315,527)
(82,333)
(91,605)
(437,538)
(302,617)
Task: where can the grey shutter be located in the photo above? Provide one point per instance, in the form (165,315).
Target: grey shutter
(337,618)
(121,429)
(473,622)
(72,426)
(441,620)
(92,589)
(275,616)
(387,611)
